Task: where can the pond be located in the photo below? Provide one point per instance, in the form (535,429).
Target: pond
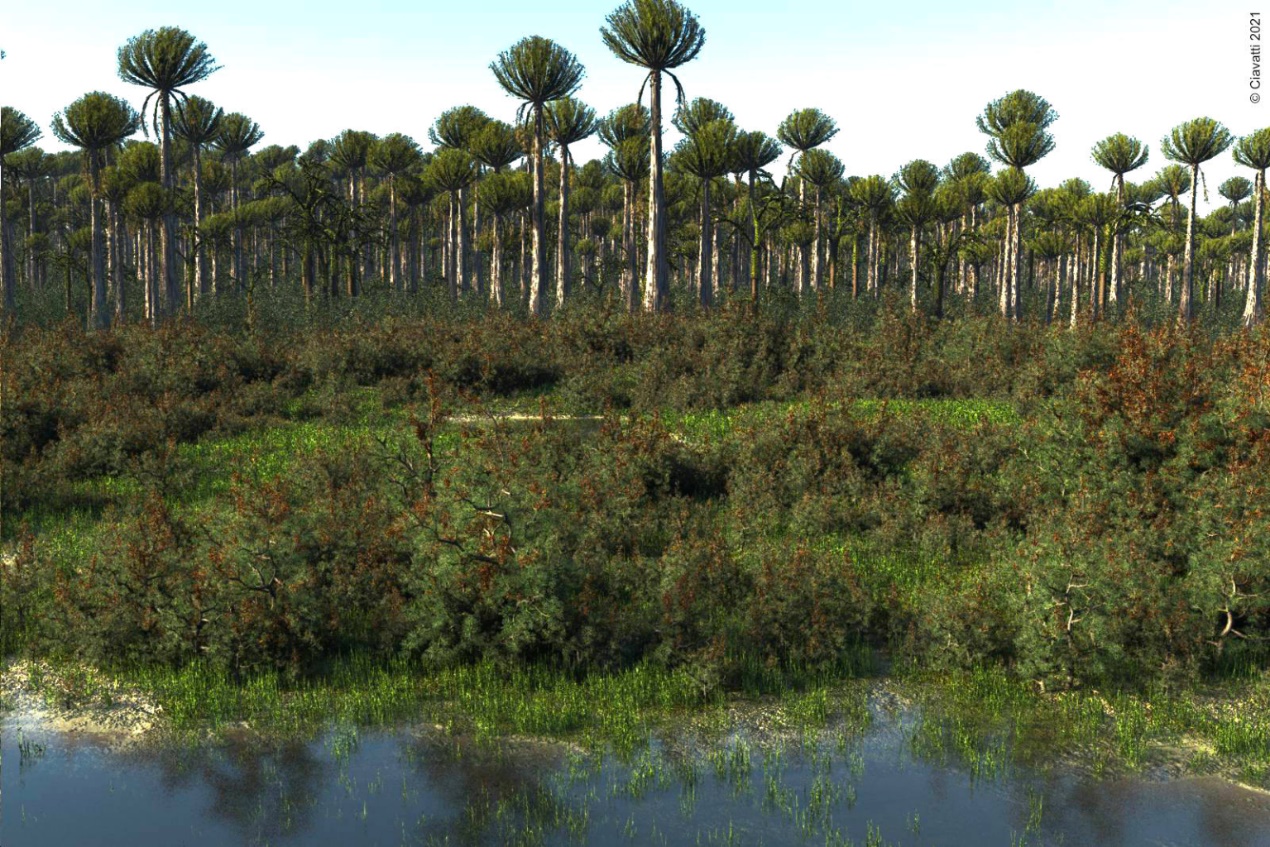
(861,785)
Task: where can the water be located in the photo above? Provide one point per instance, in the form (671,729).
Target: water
(412,787)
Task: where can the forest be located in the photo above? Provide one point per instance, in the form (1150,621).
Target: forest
(720,408)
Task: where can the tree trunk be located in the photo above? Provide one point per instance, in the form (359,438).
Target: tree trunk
(171,286)
(200,270)
(913,243)
(1186,310)
(496,264)
(540,241)
(7,269)
(562,235)
(1117,245)
(657,282)
(97,251)
(705,259)
(1253,308)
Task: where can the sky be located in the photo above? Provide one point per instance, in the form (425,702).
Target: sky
(903,80)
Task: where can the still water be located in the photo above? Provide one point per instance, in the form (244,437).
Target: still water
(422,787)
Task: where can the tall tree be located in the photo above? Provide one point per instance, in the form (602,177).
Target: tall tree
(165,60)
(459,128)
(658,35)
(1119,154)
(93,123)
(451,171)
(568,122)
(1253,151)
(967,178)
(537,70)
(17,132)
(496,147)
(918,179)
(820,169)
(1191,144)
(393,156)
(706,154)
(753,152)
(1018,125)
(804,130)
(875,195)
(348,152)
(238,134)
(503,192)
(197,122)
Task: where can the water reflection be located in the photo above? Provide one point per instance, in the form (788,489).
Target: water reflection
(412,787)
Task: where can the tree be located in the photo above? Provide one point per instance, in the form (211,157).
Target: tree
(503,193)
(753,152)
(1119,154)
(918,179)
(165,60)
(238,134)
(967,177)
(17,132)
(804,130)
(394,156)
(625,132)
(29,166)
(537,70)
(197,122)
(348,152)
(1253,151)
(820,169)
(451,171)
(568,122)
(692,116)
(93,123)
(458,128)
(658,35)
(1191,144)
(706,154)
(1018,124)
(875,195)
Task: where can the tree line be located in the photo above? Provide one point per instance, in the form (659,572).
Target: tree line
(499,210)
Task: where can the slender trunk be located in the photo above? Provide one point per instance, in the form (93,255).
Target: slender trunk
(913,243)
(97,252)
(32,275)
(239,265)
(562,234)
(114,258)
(7,268)
(451,248)
(705,258)
(200,274)
(657,283)
(463,245)
(394,260)
(817,266)
(171,285)
(496,268)
(1075,277)
(1253,308)
(1186,311)
(631,268)
(1117,245)
(855,265)
(1098,280)
(540,242)
(478,259)
(754,246)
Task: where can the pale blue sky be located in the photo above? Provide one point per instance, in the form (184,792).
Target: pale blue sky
(904,80)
